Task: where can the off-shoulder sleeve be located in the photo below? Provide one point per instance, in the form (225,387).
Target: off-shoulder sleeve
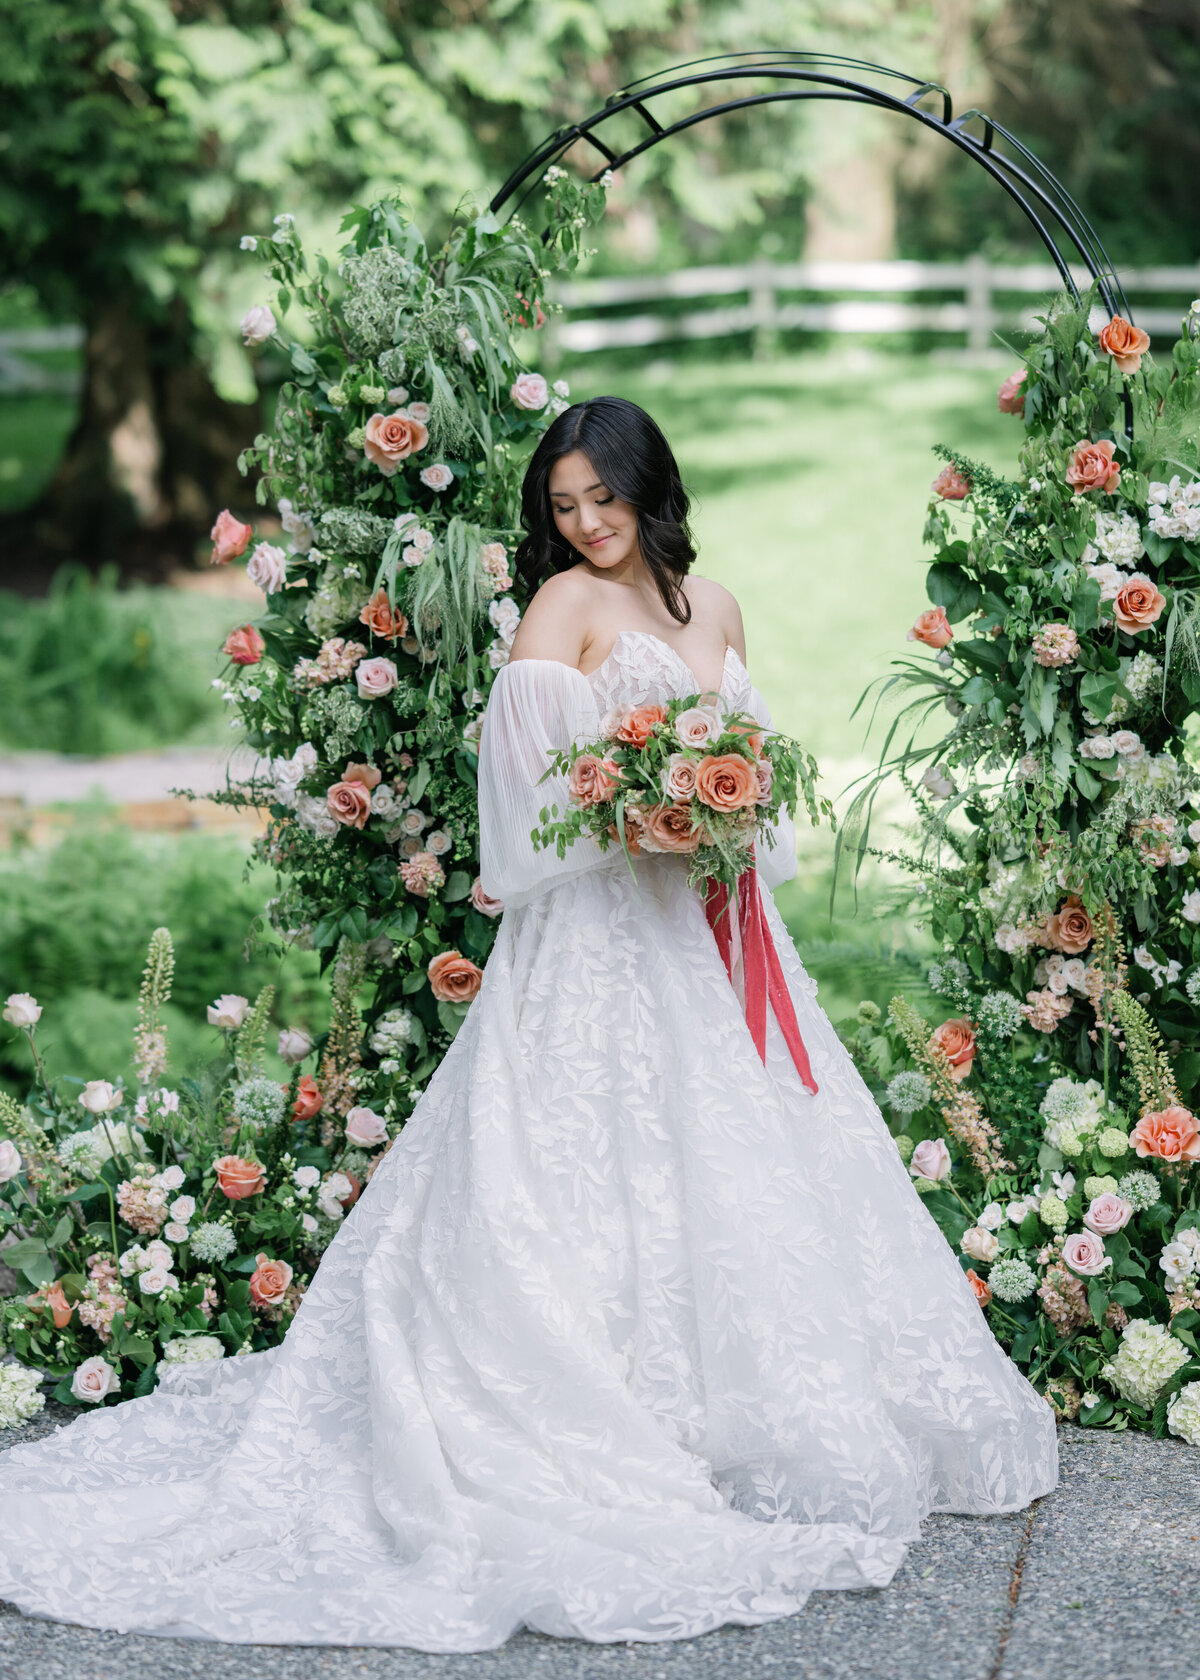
(776,863)
(536,706)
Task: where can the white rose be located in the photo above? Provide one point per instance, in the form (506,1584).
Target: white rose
(376,678)
(175,1232)
(314,815)
(171,1177)
(937,782)
(365,1127)
(414,820)
(10,1160)
(1125,742)
(437,477)
(99,1097)
(1190,908)
(158,1254)
(398,394)
(257,325)
(306,1178)
(308,1223)
(1178,1262)
(979,1244)
(530,391)
(155,1279)
(992,1217)
(133,1260)
(228,1012)
(1017,1210)
(330,1207)
(297,527)
(294,1045)
(182,1208)
(94,1380)
(698,725)
(1193,832)
(267,567)
(438,841)
(423,539)
(22,1010)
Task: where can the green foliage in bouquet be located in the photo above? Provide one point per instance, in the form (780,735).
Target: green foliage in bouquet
(395,461)
(1057,868)
(148,1227)
(688,777)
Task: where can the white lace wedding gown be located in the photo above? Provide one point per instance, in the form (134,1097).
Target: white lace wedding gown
(629,1335)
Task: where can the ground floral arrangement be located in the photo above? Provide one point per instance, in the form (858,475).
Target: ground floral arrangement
(155,1225)
(1051,1120)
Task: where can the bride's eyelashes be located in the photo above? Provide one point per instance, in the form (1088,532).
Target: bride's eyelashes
(601,501)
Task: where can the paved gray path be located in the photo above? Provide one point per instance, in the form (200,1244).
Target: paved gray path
(37,778)
(1099,1581)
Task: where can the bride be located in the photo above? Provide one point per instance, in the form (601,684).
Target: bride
(633,1333)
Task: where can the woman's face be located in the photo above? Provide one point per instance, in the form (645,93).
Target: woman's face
(594,521)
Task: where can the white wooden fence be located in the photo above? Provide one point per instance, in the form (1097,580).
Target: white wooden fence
(759,304)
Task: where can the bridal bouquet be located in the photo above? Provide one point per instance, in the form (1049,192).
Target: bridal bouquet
(689,776)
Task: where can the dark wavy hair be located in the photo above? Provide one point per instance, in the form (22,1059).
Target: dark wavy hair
(633,459)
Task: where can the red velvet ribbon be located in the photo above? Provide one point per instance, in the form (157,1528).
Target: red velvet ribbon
(761,968)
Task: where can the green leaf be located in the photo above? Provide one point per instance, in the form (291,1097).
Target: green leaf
(949,586)
(1085,606)
(1097,1301)
(1088,785)
(452,1016)
(1096,692)
(413,982)
(95,1191)
(458,885)
(146,1381)
(61,1231)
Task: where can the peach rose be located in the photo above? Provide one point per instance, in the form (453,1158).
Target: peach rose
(679,778)
(244,646)
(1010,399)
(308,1101)
(633,830)
(392,438)
(483,901)
(1125,343)
(269,1283)
(57,1301)
(635,725)
(592,780)
(932,628)
(669,828)
(1070,928)
(1169,1134)
(239,1178)
(956,1038)
(951,485)
(1093,468)
(726,782)
(350,799)
(230,538)
(1138,604)
(382,619)
(981,1288)
(453,977)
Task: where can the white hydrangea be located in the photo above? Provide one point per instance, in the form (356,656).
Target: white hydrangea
(190,1350)
(1073,1111)
(392,1031)
(20,1395)
(1175,509)
(1183,1414)
(1119,538)
(1145,1361)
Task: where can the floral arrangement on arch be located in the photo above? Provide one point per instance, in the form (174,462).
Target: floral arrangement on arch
(1052,1118)
(170,1223)
(394,460)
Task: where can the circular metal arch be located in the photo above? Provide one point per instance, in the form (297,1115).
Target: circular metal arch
(767,78)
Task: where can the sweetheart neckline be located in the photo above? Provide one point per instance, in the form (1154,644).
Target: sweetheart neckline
(729,649)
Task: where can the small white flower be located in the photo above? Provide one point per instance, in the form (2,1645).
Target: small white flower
(248,242)
(308,1223)
(22,1010)
(1190,909)
(257,325)
(561,388)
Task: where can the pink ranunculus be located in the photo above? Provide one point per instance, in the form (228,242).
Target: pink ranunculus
(951,485)
(376,678)
(529,391)
(365,1127)
(483,901)
(1084,1253)
(267,567)
(1093,468)
(932,627)
(930,1159)
(437,477)
(244,646)
(1010,399)
(1107,1214)
(230,538)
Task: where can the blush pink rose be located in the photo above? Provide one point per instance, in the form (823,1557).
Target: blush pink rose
(956,1038)
(1138,604)
(592,780)
(930,1159)
(244,646)
(1010,399)
(392,438)
(1070,928)
(933,628)
(350,799)
(436,477)
(1107,1214)
(679,778)
(269,1282)
(669,828)
(365,1127)
(951,485)
(230,538)
(453,977)
(267,568)
(1084,1253)
(1169,1134)
(529,391)
(483,901)
(634,726)
(376,678)
(1093,468)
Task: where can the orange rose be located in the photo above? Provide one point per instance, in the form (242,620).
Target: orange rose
(1170,1134)
(932,628)
(1069,929)
(636,724)
(230,538)
(239,1178)
(382,619)
(956,1038)
(983,1293)
(726,782)
(669,828)
(592,780)
(270,1281)
(392,438)
(1138,604)
(453,977)
(1125,343)
(308,1100)
(1093,468)
(244,646)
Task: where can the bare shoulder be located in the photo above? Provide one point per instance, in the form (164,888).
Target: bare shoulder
(553,625)
(714,604)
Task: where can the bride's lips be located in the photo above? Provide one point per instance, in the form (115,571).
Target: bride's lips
(598,542)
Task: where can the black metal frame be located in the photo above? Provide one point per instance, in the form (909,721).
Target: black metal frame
(1044,200)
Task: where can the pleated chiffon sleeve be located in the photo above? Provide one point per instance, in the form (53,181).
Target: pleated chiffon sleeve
(776,863)
(536,706)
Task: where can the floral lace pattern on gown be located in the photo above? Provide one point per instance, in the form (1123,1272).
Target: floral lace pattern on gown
(629,1335)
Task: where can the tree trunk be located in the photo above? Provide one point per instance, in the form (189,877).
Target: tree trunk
(151,462)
